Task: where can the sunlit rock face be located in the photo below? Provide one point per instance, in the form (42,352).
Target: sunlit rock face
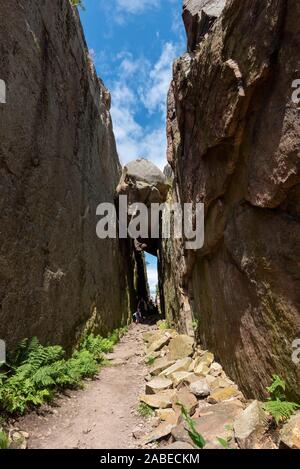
(199,17)
(234,144)
(58,161)
(143,183)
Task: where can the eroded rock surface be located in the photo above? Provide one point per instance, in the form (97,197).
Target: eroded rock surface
(233,144)
(58,161)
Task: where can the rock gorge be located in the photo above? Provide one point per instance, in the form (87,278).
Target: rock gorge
(58,161)
(233,144)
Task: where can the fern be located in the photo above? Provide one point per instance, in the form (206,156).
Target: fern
(277,405)
(281,411)
(37,372)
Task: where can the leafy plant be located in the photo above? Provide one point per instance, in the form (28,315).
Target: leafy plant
(144,410)
(196,437)
(150,361)
(163,325)
(4,441)
(224,443)
(78,4)
(277,405)
(195,324)
(38,372)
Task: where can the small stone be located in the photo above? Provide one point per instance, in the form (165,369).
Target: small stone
(179,377)
(201,370)
(192,366)
(168,415)
(160,365)
(222,395)
(250,425)
(163,430)
(18,441)
(206,358)
(290,433)
(180,365)
(160,343)
(180,347)
(215,369)
(158,384)
(200,388)
(185,398)
(161,400)
(179,445)
(138,433)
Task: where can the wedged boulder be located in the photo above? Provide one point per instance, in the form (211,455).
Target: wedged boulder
(181,347)
(250,426)
(214,422)
(161,400)
(290,433)
(158,384)
(143,182)
(199,17)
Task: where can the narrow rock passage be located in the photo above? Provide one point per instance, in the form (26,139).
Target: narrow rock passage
(103,414)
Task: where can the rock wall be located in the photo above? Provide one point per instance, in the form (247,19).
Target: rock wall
(233,144)
(58,161)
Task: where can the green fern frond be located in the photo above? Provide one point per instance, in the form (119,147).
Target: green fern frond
(281,411)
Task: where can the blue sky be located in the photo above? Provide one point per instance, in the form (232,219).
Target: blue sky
(133,44)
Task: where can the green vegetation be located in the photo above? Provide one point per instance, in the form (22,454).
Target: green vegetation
(150,361)
(195,325)
(78,4)
(193,433)
(277,405)
(36,373)
(163,325)
(144,410)
(4,441)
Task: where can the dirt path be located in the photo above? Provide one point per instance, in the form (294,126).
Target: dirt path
(103,415)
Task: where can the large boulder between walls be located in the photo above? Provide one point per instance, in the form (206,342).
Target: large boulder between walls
(143,183)
(234,145)
(58,162)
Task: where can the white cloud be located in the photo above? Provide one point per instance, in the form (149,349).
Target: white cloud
(140,87)
(152,279)
(154,95)
(136,6)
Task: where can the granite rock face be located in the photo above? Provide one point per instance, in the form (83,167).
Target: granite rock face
(234,145)
(199,17)
(58,161)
